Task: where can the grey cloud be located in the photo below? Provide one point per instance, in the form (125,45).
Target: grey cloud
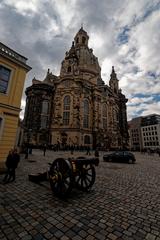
(32,34)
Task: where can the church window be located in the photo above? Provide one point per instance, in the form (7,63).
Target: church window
(83,39)
(42,138)
(78,52)
(5,74)
(66,110)
(86,139)
(104,116)
(44,121)
(86,114)
(77,41)
(45,106)
(66,116)
(69,69)
(66,103)
(67,83)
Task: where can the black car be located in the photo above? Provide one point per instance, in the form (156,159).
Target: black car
(120,156)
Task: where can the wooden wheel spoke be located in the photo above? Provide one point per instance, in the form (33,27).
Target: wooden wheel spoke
(89,179)
(87,169)
(66,174)
(66,181)
(79,177)
(61,187)
(89,174)
(85,180)
(86,177)
(81,182)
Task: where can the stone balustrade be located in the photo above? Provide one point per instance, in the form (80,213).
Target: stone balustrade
(11,53)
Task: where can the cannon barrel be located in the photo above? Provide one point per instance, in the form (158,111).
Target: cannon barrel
(84,161)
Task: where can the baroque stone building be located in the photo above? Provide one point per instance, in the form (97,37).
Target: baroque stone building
(76,107)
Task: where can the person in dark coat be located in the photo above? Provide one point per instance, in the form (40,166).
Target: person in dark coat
(88,151)
(16,159)
(96,154)
(12,161)
(44,149)
(8,166)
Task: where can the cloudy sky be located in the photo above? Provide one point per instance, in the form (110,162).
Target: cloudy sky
(123,33)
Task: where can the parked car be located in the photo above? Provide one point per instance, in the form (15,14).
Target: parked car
(120,156)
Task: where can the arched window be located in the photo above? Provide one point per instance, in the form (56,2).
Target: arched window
(66,110)
(104,116)
(69,69)
(77,41)
(86,139)
(86,114)
(45,107)
(83,39)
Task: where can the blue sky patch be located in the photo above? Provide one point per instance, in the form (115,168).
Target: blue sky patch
(150,10)
(139,112)
(155,97)
(153,74)
(123,36)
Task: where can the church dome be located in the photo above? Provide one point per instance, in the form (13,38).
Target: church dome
(80,58)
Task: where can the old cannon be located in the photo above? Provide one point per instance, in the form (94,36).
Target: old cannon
(65,174)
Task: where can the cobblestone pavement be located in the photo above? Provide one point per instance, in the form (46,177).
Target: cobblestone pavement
(124,203)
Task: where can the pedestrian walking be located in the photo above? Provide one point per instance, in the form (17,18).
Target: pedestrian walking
(8,165)
(44,150)
(96,154)
(72,149)
(88,151)
(26,151)
(12,161)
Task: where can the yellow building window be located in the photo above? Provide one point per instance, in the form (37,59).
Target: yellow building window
(4,79)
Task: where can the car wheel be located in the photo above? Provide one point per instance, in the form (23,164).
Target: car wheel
(105,160)
(130,160)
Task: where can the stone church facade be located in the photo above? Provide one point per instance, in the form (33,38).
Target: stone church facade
(77,107)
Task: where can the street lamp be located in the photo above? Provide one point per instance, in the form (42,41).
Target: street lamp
(28,142)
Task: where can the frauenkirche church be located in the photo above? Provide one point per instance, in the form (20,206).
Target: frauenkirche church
(77,107)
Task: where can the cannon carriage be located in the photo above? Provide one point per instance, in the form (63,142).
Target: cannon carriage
(66,174)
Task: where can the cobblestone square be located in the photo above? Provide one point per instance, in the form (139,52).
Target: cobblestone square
(124,202)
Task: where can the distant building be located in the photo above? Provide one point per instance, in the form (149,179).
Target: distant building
(150,131)
(144,132)
(77,107)
(13,69)
(134,129)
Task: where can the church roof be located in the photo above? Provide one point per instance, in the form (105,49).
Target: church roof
(81,30)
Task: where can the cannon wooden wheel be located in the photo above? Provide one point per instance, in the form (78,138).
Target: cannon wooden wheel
(61,177)
(85,177)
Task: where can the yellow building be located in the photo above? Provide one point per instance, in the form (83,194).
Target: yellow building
(13,69)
